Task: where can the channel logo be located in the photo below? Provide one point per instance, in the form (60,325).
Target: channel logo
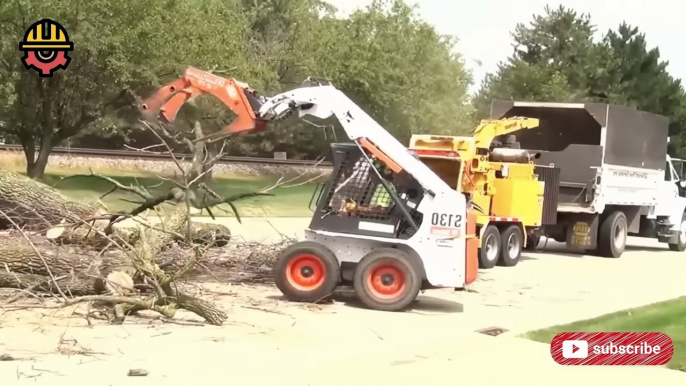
(612,348)
(575,349)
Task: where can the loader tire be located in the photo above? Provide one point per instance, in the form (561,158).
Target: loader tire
(612,235)
(491,244)
(306,272)
(511,248)
(387,279)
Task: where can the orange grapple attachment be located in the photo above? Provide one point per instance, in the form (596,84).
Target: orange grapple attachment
(237,96)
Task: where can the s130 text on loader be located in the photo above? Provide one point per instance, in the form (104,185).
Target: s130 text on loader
(384,221)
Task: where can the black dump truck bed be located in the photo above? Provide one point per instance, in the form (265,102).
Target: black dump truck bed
(578,137)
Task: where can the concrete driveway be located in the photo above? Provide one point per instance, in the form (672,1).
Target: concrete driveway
(270,341)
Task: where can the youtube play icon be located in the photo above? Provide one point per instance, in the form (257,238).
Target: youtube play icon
(575,349)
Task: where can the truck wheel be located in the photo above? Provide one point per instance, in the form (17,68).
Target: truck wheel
(612,235)
(680,246)
(306,272)
(512,243)
(532,242)
(491,243)
(387,279)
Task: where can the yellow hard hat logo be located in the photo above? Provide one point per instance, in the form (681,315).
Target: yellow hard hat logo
(45,47)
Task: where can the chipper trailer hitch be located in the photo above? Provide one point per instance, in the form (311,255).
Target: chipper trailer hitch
(384,222)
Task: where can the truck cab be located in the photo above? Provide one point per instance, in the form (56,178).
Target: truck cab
(678,168)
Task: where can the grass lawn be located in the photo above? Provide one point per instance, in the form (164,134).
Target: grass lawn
(286,202)
(668,317)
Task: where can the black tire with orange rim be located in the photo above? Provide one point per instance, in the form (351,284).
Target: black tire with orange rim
(387,279)
(306,272)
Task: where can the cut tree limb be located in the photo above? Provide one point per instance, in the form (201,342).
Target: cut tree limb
(38,206)
(81,274)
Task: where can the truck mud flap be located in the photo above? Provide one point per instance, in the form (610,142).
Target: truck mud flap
(551,177)
(582,231)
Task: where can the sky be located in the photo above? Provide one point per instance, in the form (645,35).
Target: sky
(483,27)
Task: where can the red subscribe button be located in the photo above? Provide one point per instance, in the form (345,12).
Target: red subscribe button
(612,348)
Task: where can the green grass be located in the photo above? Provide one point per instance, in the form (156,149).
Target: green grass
(285,202)
(668,317)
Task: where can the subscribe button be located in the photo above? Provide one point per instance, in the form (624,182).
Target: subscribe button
(612,348)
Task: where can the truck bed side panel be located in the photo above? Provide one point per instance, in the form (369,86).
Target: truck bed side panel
(577,165)
(621,185)
(636,138)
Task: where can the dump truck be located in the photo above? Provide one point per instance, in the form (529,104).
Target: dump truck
(616,178)
(500,181)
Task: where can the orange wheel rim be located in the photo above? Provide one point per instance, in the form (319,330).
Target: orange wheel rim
(306,272)
(386,281)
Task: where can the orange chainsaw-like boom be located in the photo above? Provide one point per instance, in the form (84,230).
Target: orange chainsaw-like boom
(237,96)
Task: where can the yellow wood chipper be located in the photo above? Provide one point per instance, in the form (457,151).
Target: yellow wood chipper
(504,186)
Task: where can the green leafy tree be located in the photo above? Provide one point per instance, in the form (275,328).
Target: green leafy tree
(402,71)
(395,66)
(556,59)
(120,48)
(635,76)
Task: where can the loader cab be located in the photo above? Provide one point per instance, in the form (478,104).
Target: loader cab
(364,198)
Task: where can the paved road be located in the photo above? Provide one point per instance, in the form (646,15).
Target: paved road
(342,344)
(547,288)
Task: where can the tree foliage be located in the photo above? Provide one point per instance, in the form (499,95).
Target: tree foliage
(557,59)
(395,65)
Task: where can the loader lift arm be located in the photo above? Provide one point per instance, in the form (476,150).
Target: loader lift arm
(236,95)
(324,101)
(374,142)
(321,101)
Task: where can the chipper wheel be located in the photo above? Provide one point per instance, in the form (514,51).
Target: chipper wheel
(306,272)
(387,279)
(491,244)
(512,241)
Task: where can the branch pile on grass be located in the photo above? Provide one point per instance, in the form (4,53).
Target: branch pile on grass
(87,256)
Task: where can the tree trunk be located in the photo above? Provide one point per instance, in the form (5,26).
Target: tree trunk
(48,126)
(77,273)
(204,156)
(37,205)
(37,172)
(29,152)
(91,234)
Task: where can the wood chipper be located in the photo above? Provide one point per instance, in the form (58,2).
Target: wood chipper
(502,182)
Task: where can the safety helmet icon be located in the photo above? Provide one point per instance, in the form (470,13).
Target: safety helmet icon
(46,35)
(45,47)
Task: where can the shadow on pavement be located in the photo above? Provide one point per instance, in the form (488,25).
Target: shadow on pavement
(423,303)
(647,248)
